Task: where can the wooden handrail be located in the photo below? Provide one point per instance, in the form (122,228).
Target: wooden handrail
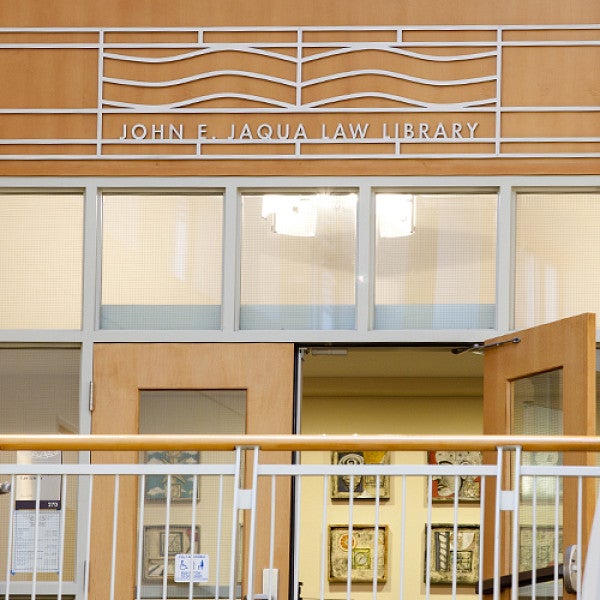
(267,442)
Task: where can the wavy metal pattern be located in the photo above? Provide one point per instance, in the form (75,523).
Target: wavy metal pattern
(217,66)
(311,93)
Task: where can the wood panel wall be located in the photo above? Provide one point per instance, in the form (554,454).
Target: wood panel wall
(59,78)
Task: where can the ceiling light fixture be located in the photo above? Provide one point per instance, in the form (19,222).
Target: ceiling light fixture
(395,215)
(296,214)
(290,214)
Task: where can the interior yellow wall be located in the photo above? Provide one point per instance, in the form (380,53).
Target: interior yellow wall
(394,414)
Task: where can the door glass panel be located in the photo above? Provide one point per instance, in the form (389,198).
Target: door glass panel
(39,394)
(538,410)
(189,412)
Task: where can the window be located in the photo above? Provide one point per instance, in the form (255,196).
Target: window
(556,256)
(161,260)
(41,260)
(435,265)
(298,260)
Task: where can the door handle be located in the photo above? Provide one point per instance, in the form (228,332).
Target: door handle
(570,569)
(5,487)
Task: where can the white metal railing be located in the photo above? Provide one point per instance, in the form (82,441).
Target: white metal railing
(223,527)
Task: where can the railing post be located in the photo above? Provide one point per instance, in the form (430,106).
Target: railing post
(507,501)
(244,499)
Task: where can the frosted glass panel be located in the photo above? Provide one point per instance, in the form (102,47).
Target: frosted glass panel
(161,261)
(298,261)
(538,410)
(39,394)
(436,269)
(557,256)
(206,502)
(41,260)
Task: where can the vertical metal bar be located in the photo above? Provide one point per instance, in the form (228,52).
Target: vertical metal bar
(297,481)
(499,459)
(272,538)
(402,536)
(219,536)
(482,534)
(455,536)
(534,537)
(498,124)
(515,524)
(251,543)
(350,536)
(231,251)
(113,560)
(234,522)
(193,535)
(9,541)
(376,541)
(166,540)
(36,535)
(428,539)
(99,115)
(88,540)
(579,533)
(504,265)
(299,58)
(365,285)
(61,554)
(323,536)
(140,536)
(557,504)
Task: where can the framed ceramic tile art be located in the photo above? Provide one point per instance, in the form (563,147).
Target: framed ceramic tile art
(442,550)
(366,549)
(444,486)
(364,486)
(182,486)
(157,541)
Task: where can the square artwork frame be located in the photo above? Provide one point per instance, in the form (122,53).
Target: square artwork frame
(442,548)
(182,486)
(443,487)
(544,546)
(179,542)
(365,486)
(362,558)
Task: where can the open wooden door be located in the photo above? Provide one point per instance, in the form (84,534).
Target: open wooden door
(542,381)
(131,383)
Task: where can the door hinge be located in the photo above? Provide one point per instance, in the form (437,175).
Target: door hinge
(91,403)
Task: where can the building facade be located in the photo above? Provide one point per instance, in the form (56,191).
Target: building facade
(225,184)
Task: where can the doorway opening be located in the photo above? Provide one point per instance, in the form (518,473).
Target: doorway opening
(395,390)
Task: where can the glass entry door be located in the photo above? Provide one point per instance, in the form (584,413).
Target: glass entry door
(186,389)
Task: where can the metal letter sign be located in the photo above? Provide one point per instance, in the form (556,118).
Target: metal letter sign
(302,93)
